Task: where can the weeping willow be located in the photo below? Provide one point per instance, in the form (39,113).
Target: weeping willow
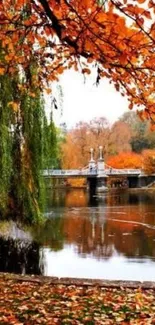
(23,148)
(52,147)
(24,142)
(6,116)
(27,157)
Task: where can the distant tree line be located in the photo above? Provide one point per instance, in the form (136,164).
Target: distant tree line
(127,143)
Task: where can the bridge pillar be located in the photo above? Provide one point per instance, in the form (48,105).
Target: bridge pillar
(92,183)
(101,182)
(100,162)
(92,164)
(133,182)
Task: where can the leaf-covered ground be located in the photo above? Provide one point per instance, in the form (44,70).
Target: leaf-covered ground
(28,302)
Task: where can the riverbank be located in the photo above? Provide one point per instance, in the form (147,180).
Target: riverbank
(40,300)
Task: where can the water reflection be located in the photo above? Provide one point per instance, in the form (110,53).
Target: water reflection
(51,234)
(18,252)
(85,239)
(100,231)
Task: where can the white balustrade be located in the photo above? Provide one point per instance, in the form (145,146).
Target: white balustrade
(69,172)
(87,172)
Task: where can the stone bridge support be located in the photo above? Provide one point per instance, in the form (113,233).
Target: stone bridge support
(133,182)
(146,180)
(142,181)
(101,182)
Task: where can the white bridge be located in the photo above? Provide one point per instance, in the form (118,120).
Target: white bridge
(97,173)
(94,172)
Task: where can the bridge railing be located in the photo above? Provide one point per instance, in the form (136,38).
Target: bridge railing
(68,172)
(113,171)
(89,172)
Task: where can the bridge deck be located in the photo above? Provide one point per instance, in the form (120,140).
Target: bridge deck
(60,173)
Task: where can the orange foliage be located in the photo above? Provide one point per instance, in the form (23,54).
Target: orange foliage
(125,160)
(76,182)
(119,138)
(149,161)
(70,159)
(55,34)
(71,155)
(76,149)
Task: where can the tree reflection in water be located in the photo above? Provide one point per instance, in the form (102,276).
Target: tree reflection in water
(51,233)
(123,223)
(118,223)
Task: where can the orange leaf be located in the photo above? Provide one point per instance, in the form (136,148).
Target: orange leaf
(48,90)
(86,70)
(141,1)
(14,106)
(2,71)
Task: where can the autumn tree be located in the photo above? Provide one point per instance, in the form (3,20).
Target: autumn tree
(117,35)
(99,130)
(70,157)
(150,136)
(125,160)
(119,138)
(149,161)
(139,139)
(141,135)
(114,139)
(76,148)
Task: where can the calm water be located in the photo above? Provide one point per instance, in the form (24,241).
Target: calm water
(112,237)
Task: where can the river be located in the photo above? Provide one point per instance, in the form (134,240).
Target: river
(111,237)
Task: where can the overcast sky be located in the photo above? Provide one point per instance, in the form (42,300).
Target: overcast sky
(83,100)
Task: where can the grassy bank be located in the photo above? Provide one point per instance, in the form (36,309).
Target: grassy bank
(30,300)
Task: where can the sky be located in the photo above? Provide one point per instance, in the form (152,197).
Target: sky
(83,100)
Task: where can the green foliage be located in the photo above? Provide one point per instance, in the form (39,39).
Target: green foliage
(51,233)
(27,141)
(139,144)
(51,144)
(26,182)
(142,137)
(5,140)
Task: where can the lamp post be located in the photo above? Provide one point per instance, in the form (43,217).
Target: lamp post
(100,153)
(100,162)
(91,154)
(92,163)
